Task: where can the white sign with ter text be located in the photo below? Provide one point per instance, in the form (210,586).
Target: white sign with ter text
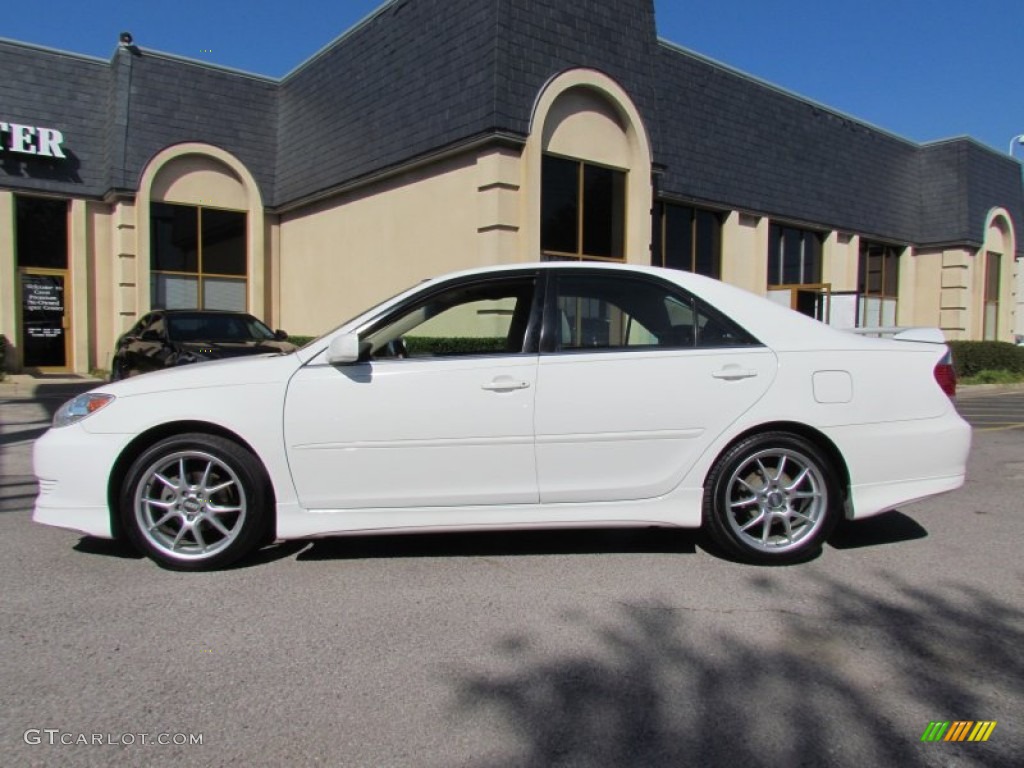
(31,140)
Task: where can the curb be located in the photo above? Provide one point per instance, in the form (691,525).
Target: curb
(969,390)
(25,385)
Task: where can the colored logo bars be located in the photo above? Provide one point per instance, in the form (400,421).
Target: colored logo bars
(959,730)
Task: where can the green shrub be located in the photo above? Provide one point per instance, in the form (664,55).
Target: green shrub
(994,377)
(422,346)
(3,356)
(972,357)
(436,346)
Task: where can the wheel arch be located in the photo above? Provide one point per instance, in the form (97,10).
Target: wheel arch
(821,440)
(154,435)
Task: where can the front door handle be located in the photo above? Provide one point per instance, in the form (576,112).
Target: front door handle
(734,373)
(505,384)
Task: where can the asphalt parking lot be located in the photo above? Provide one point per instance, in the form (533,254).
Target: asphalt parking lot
(990,410)
(587,648)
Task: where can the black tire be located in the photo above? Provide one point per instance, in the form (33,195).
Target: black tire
(220,513)
(772,498)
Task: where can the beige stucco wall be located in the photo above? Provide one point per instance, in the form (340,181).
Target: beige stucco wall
(955,293)
(929,291)
(78,277)
(101,289)
(583,124)
(340,256)
(199,180)
(745,251)
(840,261)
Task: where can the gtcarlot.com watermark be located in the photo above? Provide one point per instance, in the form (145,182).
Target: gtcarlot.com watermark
(57,737)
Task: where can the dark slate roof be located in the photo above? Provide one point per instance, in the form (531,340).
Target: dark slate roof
(173,100)
(116,115)
(539,39)
(960,182)
(731,140)
(52,89)
(728,139)
(416,76)
(419,77)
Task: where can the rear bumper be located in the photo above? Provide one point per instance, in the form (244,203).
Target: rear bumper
(895,464)
(868,500)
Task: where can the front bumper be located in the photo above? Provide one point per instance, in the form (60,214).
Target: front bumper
(73,468)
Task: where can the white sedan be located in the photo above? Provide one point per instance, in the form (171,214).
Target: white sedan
(549,395)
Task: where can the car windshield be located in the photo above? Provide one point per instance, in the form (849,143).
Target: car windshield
(204,326)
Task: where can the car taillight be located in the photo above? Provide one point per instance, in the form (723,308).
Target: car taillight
(945,374)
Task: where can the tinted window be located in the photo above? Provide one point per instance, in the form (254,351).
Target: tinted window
(198,326)
(174,237)
(597,311)
(794,256)
(604,196)
(488,317)
(559,205)
(687,238)
(223,242)
(198,257)
(42,232)
(583,209)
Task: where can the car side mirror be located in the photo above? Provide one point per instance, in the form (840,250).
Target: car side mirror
(347,349)
(280,335)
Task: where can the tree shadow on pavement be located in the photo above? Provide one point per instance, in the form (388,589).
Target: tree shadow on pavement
(851,680)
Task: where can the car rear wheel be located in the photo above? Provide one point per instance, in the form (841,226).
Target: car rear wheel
(772,498)
(195,502)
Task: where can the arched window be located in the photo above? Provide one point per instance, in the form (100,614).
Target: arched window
(583,210)
(200,232)
(197,257)
(589,168)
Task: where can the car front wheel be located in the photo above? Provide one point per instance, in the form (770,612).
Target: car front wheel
(772,498)
(195,502)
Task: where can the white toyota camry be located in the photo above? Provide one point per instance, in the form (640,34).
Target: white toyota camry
(529,396)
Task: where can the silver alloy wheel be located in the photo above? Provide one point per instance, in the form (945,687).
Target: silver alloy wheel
(777,498)
(190,505)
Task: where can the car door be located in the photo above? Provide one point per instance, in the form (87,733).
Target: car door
(440,414)
(636,378)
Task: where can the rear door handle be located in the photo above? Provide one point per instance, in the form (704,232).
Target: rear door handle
(505,384)
(734,373)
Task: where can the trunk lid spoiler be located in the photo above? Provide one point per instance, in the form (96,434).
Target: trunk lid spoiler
(926,335)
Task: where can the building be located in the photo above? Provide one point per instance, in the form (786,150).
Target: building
(441,134)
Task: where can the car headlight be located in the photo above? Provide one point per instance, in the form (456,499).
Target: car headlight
(73,411)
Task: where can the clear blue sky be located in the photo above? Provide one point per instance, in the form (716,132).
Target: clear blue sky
(923,70)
